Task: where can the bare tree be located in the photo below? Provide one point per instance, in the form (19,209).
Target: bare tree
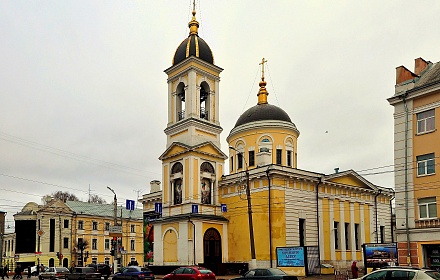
(60,195)
(96,199)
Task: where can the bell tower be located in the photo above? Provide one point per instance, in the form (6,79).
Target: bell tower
(192,162)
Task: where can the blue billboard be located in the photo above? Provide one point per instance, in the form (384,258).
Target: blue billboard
(290,256)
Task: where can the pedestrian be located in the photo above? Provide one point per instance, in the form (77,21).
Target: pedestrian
(29,272)
(354,270)
(6,271)
(1,272)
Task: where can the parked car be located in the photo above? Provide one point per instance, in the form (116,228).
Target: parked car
(102,268)
(54,273)
(34,270)
(190,273)
(83,273)
(401,273)
(134,272)
(266,273)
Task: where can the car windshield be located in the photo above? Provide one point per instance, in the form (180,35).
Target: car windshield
(433,274)
(276,271)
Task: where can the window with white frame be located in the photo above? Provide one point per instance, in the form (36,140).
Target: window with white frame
(289,158)
(94,225)
(107,260)
(132,228)
(425,164)
(94,260)
(80,224)
(94,244)
(132,245)
(336,234)
(427,208)
(107,226)
(426,121)
(107,244)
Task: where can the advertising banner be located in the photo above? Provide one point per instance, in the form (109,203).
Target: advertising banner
(377,255)
(290,256)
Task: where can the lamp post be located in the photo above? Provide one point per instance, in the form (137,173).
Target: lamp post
(249,203)
(115,209)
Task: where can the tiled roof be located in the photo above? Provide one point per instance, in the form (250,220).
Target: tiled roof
(103,210)
(430,75)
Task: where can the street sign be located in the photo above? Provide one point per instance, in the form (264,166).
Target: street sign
(115,231)
(158,207)
(195,209)
(129,205)
(40,232)
(16,257)
(224,208)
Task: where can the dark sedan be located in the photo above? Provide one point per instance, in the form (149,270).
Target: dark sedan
(266,273)
(133,273)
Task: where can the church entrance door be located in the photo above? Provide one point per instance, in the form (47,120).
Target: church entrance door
(212,247)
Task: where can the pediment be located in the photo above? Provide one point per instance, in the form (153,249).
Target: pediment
(351,178)
(206,148)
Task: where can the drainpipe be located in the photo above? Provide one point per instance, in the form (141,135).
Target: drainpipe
(270,223)
(375,204)
(317,221)
(194,239)
(406,181)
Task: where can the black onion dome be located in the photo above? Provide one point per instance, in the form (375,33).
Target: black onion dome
(263,112)
(197,47)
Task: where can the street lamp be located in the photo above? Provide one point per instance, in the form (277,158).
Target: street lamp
(115,202)
(115,209)
(251,226)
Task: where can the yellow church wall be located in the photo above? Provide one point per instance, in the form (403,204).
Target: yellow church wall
(357,213)
(347,212)
(166,186)
(238,234)
(326,228)
(336,210)
(218,227)
(278,221)
(187,179)
(196,171)
(367,223)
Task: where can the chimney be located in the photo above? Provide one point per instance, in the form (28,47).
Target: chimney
(420,65)
(154,186)
(403,75)
(336,170)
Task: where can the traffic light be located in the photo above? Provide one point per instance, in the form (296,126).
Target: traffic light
(58,255)
(112,252)
(61,256)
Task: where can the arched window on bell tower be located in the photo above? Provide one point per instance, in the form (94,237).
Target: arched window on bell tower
(205,100)
(207,174)
(180,101)
(177,183)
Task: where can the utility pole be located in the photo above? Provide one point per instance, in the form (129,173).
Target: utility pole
(249,204)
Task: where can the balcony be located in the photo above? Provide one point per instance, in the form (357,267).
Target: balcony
(431,223)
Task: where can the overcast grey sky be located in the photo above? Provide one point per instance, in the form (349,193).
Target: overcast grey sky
(83,95)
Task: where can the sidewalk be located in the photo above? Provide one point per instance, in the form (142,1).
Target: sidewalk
(312,277)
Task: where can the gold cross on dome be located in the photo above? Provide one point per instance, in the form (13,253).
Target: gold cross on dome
(262,67)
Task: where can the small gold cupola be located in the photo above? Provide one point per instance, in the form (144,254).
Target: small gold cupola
(262,93)
(193,24)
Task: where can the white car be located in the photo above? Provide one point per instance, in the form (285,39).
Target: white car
(34,270)
(401,273)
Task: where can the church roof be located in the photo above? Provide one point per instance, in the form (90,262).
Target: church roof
(103,210)
(193,45)
(261,112)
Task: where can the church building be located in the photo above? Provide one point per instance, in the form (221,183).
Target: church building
(264,203)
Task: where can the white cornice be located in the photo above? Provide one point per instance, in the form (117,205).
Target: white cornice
(263,124)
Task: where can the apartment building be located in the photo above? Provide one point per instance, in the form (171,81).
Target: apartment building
(416,150)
